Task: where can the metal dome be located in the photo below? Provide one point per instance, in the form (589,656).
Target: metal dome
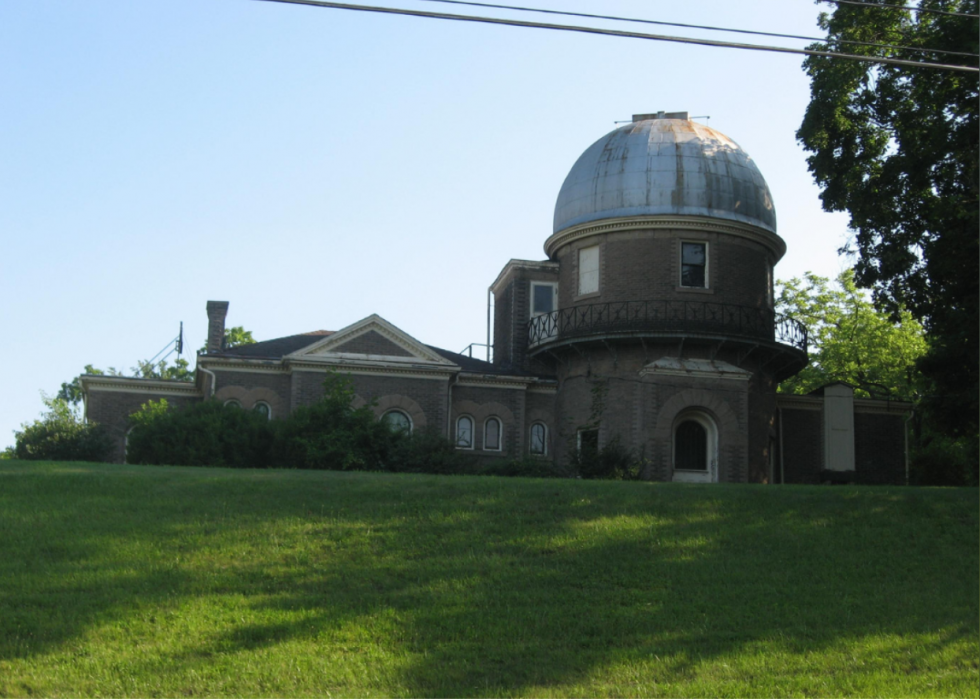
(664,164)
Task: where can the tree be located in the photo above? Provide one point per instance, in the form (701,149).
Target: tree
(897,148)
(851,341)
(61,435)
(180,370)
(234,337)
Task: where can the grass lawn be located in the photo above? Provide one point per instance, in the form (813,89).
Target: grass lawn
(150,581)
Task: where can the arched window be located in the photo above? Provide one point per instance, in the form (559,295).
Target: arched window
(397,421)
(492,434)
(233,403)
(464,432)
(539,439)
(691,446)
(263,409)
(695,448)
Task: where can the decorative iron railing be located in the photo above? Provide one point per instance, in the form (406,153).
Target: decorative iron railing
(667,316)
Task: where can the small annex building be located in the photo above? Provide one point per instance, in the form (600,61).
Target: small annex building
(651,322)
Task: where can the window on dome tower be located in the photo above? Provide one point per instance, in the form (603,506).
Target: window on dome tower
(588,270)
(694,265)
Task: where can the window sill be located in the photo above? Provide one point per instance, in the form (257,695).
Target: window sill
(693,290)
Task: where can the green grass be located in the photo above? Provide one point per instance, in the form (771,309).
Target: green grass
(152,581)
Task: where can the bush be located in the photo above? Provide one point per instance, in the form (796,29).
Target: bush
(61,435)
(944,460)
(331,434)
(614,461)
(426,451)
(206,434)
(525,467)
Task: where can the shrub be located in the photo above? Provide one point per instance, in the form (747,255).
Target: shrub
(525,467)
(206,434)
(61,435)
(426,451)
(613,461)
(331,434)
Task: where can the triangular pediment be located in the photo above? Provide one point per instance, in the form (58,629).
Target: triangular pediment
(695,369)
(372,339)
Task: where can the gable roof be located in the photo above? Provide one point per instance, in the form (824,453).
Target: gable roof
(280,347)
(274,349)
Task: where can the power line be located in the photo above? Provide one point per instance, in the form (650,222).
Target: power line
(624,34)
(902,7)
(699,26)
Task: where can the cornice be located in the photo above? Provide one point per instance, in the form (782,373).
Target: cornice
(254,366)
(699,223)
(122,384)
(510,267)
(435,372)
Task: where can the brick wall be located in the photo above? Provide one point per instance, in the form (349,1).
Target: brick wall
(879,448)
(802,448)
(112,409)
(372,342)
(481,403)
(645,264)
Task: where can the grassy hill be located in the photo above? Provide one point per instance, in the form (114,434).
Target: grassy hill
(119,580)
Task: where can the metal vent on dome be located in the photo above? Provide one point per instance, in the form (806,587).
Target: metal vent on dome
(662,115)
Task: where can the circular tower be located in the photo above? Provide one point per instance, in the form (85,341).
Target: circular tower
(665,337)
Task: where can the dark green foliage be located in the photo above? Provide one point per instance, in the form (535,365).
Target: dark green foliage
(943,460)
(896,147)
(614,461)
(206,434)
(526,467)
(426,451)
(60,435)
(331,434)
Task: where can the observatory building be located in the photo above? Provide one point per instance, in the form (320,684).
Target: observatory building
(651,323)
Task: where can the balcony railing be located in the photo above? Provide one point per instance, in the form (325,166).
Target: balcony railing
(666,317)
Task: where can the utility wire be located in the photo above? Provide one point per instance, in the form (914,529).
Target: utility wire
(698,26)
(623,34)
(902,7)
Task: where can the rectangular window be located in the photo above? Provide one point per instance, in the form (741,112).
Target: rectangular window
(588,443)
(694,265)
(588,270)
(544,298)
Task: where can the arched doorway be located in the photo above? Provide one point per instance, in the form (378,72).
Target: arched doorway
(694,448)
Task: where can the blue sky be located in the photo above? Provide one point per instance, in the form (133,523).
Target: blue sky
(315,166)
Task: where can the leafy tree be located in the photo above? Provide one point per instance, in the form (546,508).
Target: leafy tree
(234,337)
(61,435)
(897,148)
(180,370)
(852,341)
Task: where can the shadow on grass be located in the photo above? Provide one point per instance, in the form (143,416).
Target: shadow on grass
(485,586)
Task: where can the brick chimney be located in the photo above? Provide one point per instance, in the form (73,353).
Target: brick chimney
(217,310)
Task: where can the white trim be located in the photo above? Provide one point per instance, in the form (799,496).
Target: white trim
(268,407)
(472,433)
(232,401)
(435,374)
(545,266)
(530,443)
(700,223)
(377,324)
(554,298)
(125,384)
(500,433)
(578,437)
(710,475)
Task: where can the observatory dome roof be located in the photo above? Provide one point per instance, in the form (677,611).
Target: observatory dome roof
(664,164)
